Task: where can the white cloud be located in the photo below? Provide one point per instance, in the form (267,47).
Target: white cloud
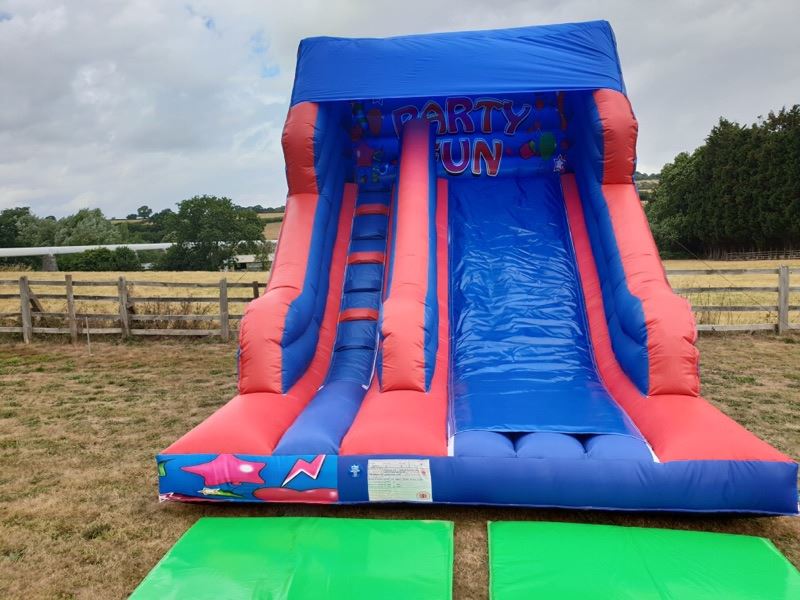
(148,102)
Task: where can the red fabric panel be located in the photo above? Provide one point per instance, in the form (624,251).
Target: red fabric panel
(372,209)
(254,423)
(403,329)
(358,314)
(358,258)
(678,427)
(408,421)
(262,328)
(619,135)
(671,331)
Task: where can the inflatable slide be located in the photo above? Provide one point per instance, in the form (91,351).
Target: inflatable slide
(467,305)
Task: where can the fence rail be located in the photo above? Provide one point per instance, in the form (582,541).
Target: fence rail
(130,316)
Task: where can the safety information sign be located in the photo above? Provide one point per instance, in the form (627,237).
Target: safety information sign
(399,480)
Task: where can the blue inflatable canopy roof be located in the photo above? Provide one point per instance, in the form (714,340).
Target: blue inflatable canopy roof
(572,56)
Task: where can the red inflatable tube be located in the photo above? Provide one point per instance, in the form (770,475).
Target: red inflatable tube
(409,421)
(403,328)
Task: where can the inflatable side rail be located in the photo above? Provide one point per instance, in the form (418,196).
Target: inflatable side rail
(652,329)
(280,330)
(409,318)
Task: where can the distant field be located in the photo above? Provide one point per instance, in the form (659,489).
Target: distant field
(272,230)
(273,215)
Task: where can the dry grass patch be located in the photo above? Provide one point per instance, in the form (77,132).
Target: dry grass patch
(272,230)
(78,434)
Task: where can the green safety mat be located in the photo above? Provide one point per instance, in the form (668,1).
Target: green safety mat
(569,560)
(306,558)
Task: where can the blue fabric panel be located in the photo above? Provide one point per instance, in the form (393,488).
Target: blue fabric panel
(521,360)
(370,227)
(376,245)
(617,447)
(551,445)
(361,300)
(483,443)
(684,486)
(373,197)
(366,277)
(550,57)
(321,426)
(352,364)
(356,334)
(624,313)
(304,317)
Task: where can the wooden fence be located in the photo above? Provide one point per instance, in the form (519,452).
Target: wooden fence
(129,316)
(762,255)
(777,310)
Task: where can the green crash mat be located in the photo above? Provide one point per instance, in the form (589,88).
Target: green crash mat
(306,558)
(568,560)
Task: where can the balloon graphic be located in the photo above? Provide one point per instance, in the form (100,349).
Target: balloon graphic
(547,145)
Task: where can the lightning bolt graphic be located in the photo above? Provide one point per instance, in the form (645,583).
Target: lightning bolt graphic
(311,469)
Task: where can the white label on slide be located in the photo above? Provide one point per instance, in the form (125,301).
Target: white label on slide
(399,480)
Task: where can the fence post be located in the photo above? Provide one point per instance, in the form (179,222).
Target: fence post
(25,309)
(224,322)
(783,299)
(71,319)
(124,321)
(255,290)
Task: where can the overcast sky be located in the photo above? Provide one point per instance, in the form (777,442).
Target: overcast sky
(118,104)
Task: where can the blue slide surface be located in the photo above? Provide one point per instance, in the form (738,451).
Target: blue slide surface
(521,359)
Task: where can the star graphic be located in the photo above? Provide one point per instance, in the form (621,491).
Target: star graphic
(226,468)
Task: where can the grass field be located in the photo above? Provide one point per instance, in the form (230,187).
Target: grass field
(79,516)
(272,229)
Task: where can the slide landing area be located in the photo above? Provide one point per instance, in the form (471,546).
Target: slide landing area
(521,359)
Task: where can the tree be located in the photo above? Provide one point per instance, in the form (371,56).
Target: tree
(209,232)
(738,191)
(144,212)
(11,222)
(101,259)
(86,227)
(10,219)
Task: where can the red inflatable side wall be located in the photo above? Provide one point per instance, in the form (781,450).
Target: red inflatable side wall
(263,325)
(671,332)
(677,426)
(253,423)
